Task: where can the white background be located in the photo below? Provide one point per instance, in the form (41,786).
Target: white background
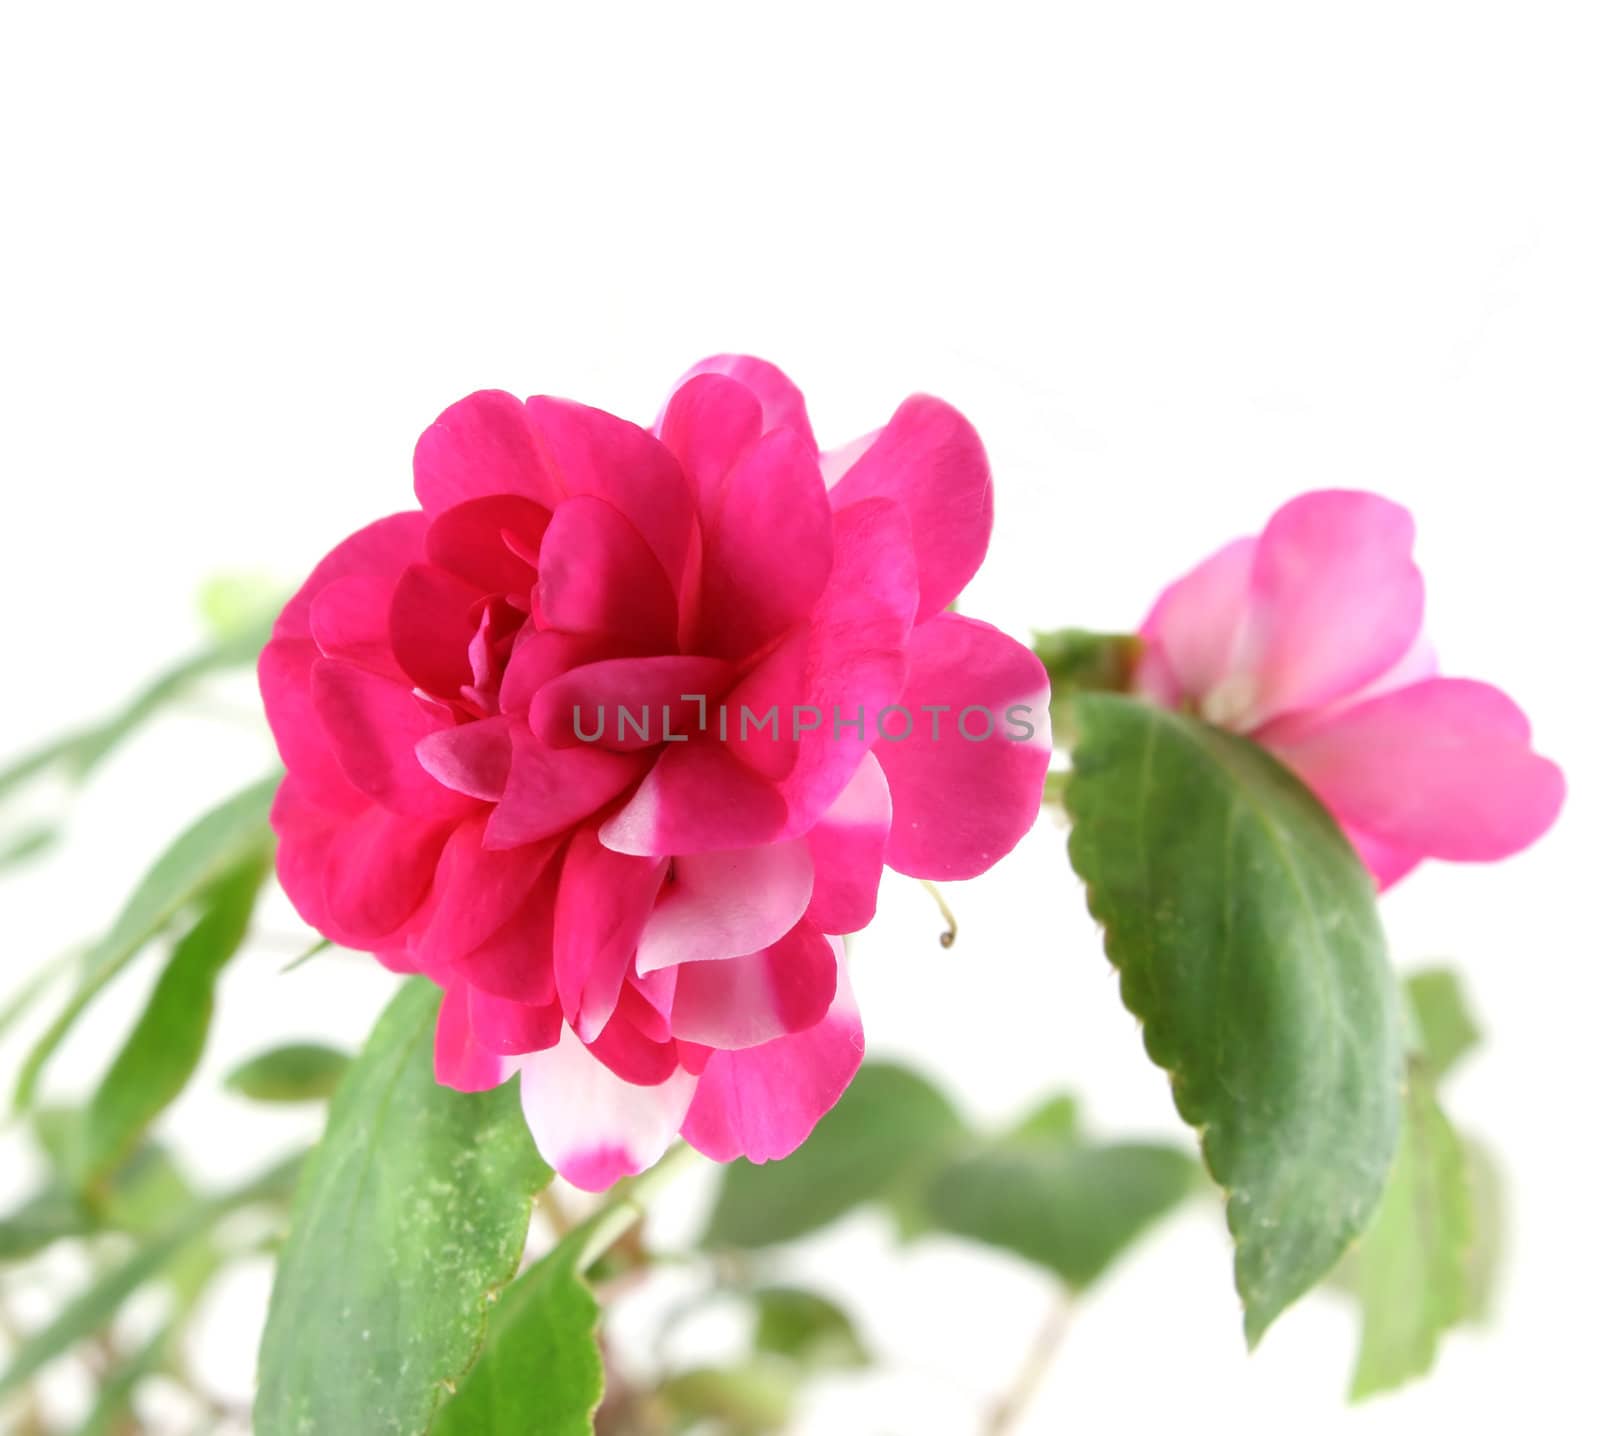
(1177,263)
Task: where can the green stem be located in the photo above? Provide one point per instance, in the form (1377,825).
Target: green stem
(1008,1411)
(615,1220)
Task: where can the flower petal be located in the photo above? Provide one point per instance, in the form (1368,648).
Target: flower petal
(1442,768)
(382,550)
(509,1029)
(589,1124)
(966,791)
(697,798)
(480,447)
(471,758)
(628,703)
(1335,601)
(929,460)
(597,575)
(1192,631)
(603,903)
(847,849)
(782,404)
(726,904)
(433,618)
(709,424)
(762,1102)
(459,1059)
(476,892)
(486,542)
(746,1001)
(550,789)
(768,547)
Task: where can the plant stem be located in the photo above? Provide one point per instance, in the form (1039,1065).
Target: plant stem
(613,1222)
(1008,1410)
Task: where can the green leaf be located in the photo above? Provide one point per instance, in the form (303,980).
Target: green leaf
(295,1072)
(53,1212)
(78,754)
(753,1398)
(91,1309)
(1445,1024)
(412,1214)
(1411,1267)
(165,1046)
(1073,1210)
(807,1328)
(889,1126)
(108,1415)
(1078,660)
(1246,934)
(227,836)
(1487,1186)
(28,843)
(540,1373)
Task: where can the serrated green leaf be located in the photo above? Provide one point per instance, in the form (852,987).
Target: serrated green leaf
(806,1327)
(91,1309)
(1068,1207)
(164,1048)
(1246,934)
(540,1373)
(1445,1024)
(889,1125)
(1411,1266)
(412,1214)
(295,1072)
(227,836)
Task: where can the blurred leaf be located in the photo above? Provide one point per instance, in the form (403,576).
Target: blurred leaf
(320,946)
(750,1399)
(1487,1187)
(1411,1267)
(295,1072)
(889,1126)
(91,1309)
(807,1328)
(1444,1021)
(28,843)
(165,1046)
(412,1214)
(1246,934)
(227,836)
(239,608)
(1079,660)
(540,1373)
(34,987)
(108,1417)
(53,1212)
(1053,1121)
(78,754)
(1071,1209)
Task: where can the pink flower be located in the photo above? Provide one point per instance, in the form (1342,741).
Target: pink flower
(1309,640)
(642,918)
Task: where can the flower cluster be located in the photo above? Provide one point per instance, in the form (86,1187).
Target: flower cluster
(646,928)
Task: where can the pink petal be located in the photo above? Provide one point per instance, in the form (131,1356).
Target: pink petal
(483,541)
(762,1102)
(855,660)
(604,900)
(594,453)
(284,672)
(551,789)
(709,424)
(518,961)
(746,1001)
(459,1059)
(633,1056)
(471,758)
(1335,601)
(929,460)
(476,892)
(589,1124)
(696,799)
(541,656)
(768,547)
(480,447)
(597,575)
(782,405)
(963,800)
(629,703)
(374,725)
(433,617)
(1386,862)
(1442,768)
(382,550)
(509,1028)
(1192,631)
(725,904)
(350,621)
(847,847)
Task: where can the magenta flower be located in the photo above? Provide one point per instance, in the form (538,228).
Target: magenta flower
(1309,639)
(613,739)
